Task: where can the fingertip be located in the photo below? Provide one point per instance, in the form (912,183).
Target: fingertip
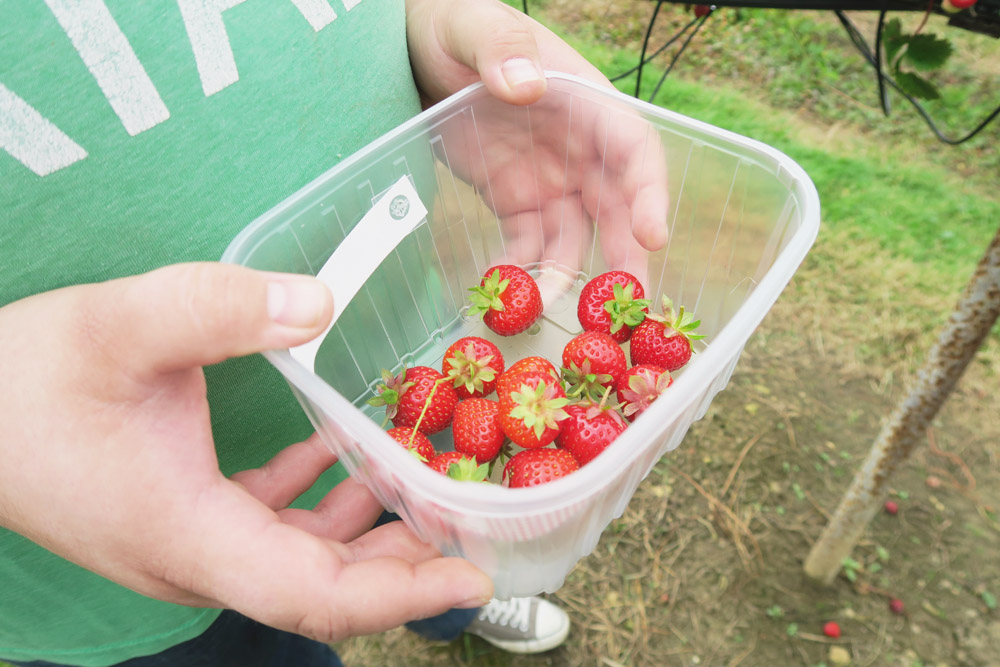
(299,302)
(471,585)
(524,80)
(653,236)
(650,226)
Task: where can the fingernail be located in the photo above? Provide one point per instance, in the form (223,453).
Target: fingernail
(517,71)
(297,302)
(473,603)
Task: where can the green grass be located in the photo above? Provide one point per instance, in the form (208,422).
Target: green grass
(918,210)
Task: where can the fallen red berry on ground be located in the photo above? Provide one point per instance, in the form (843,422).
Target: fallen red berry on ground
(896,605)
(891,507)
(832,630)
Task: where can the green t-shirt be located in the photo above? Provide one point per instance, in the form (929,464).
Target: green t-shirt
(138,134)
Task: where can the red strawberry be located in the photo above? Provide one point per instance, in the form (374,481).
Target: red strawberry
(473,364)
(538,466)
(588,431)
(476,429)
(415,441)
(521,366)
(531,410)
(612,303)
(664,340)
(702,10)
(419,398)
(459,466)
(508,299)
(592,362)
(955,6)
(639,387)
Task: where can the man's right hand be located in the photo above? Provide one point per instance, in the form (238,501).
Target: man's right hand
(107,459)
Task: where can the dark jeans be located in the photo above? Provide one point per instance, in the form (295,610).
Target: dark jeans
(237,641)
(446,627)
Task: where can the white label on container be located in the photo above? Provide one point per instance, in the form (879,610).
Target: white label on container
(396,213)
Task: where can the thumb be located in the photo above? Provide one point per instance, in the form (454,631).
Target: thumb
(196,314)
(496,41)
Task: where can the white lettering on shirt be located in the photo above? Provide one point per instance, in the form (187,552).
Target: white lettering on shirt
(43,148)
(319,13)
(212,53)
(32,139)
(109,57)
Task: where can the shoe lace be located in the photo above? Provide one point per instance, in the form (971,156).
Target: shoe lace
(514,613)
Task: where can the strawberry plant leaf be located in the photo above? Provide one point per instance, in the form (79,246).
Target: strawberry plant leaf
(927,52)
(917,86)
(893,39)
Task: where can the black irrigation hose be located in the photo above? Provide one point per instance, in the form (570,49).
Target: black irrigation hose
(700,22)
(645,45)
(876,62)
(883,94)
(658,51)
(873,59)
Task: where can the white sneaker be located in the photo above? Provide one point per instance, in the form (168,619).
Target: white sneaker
(521,625)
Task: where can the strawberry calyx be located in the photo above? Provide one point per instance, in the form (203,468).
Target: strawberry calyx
(389,392)
(624,309)
(580,381)
(539,407)
(677,323)
(467,469)
(640,392)
(486,297)
(505,454)
(469,371)
(596,409)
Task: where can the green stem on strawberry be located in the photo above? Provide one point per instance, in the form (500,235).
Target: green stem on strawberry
(503,455)
(427,404)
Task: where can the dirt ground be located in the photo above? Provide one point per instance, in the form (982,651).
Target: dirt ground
(706,565)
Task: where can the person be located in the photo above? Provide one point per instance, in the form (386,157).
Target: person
(152,510)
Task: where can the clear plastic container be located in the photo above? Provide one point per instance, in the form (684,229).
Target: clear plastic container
(741,217)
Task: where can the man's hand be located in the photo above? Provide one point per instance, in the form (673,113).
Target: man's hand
(551,175)
(107,459)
